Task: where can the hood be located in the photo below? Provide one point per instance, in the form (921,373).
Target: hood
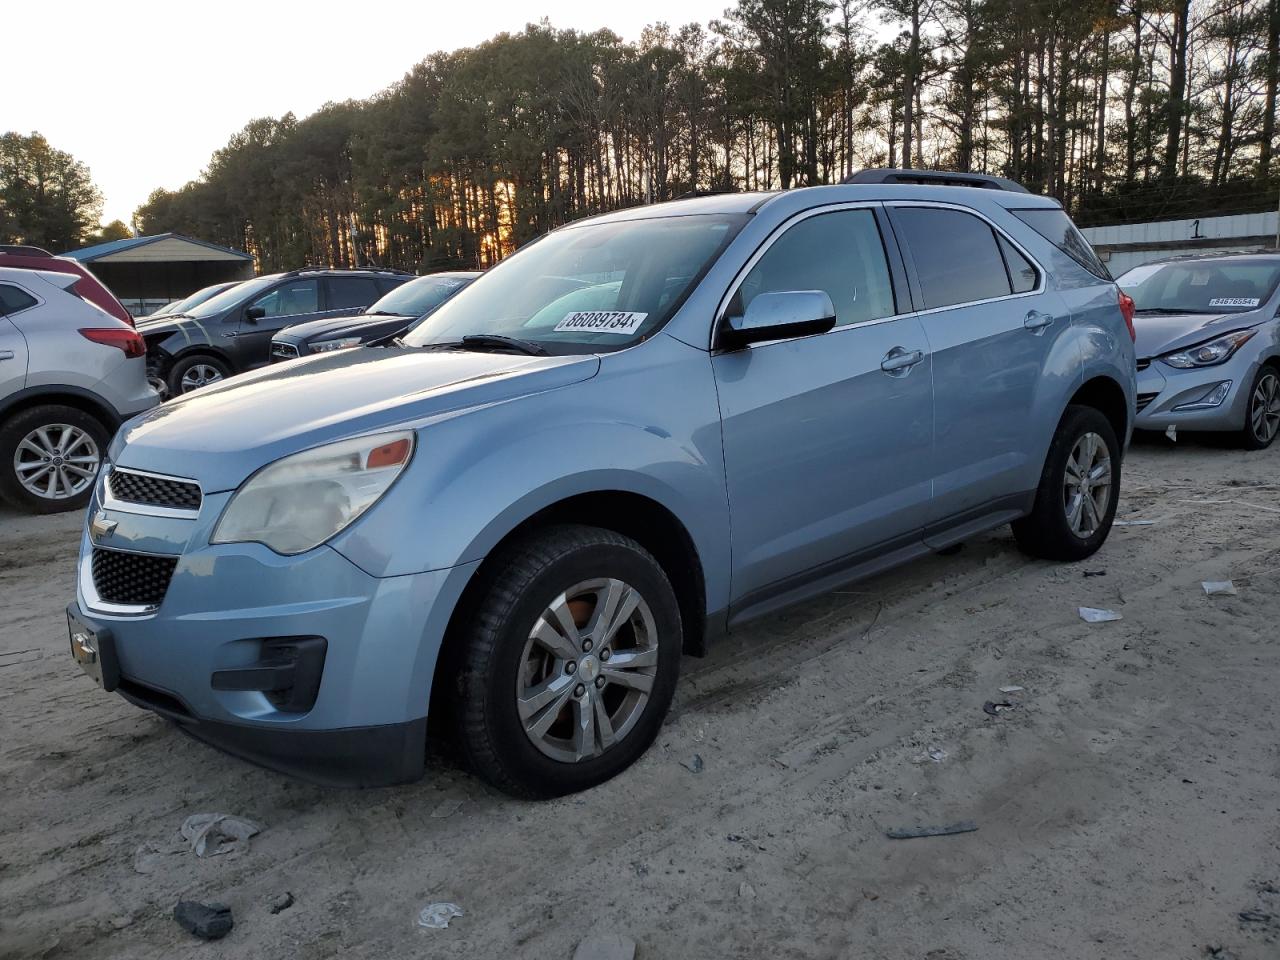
(364,324)
(1159,334)
(221,434)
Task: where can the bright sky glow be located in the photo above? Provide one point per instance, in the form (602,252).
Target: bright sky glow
(143,91)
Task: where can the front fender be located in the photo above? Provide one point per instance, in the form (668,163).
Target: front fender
(647,424)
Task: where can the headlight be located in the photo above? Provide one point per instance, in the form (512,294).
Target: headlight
(324,346)
(1207,354)
(301,501)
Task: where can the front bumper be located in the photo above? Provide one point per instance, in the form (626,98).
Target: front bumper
(1169,397)
(225,607)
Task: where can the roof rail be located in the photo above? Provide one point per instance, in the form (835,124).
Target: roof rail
(936,178)
(24,250)
(380,270)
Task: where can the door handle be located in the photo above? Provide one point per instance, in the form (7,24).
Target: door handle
(1036,322)
(899,361)
(231,335)
(6,354)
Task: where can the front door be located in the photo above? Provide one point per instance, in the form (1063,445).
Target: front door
(293,301)
(999,342)
(826,438)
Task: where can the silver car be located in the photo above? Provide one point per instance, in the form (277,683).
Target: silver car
(1208,345)
(70,373)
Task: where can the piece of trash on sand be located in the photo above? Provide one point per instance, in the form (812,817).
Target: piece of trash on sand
(746,891)
(994,709)
(1014,689)
(1133,523)
(213,834)
(934,753)
(436,916)
(207,921)
(282,902)
(1171,432)
(1095,615)
(1094,573)
(910,833)
(606,946)
(693,764)
(1219,586)
(447,808)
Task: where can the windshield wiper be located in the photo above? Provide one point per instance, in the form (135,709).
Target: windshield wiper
(497,341)
(382,313)
(1168,311)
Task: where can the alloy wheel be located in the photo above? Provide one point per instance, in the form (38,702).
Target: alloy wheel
(1086,485)
(199,375)
(587,670)
(56,461)
(1264,408)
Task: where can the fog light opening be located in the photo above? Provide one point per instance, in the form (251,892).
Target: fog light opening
(1213,398)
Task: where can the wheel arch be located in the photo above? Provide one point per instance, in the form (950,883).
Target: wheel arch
(75,397)
(1105,395)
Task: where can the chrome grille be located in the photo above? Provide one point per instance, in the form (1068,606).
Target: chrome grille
(1144,400)
(283,351)
(154,491)
(136,579)
(1144,362)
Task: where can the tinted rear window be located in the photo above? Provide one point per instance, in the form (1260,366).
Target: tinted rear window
(1055,226)
(12,299)
(955,255)
(351,292)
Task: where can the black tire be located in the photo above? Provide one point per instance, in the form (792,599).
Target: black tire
(1047,532)
(180,370)
(1249,435)
(521,583)
(55,419)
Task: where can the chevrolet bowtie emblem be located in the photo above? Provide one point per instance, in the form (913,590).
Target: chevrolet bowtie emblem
(101,527)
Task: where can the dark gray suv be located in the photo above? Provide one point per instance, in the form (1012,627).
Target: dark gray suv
(231,333)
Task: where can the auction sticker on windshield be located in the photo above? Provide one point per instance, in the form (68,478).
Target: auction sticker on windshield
(1234,302)
(601,321)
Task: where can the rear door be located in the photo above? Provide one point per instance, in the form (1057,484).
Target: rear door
(994,334)
(13,345)
(350,295)
(826,438)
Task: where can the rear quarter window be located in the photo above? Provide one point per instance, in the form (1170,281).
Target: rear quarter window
(1054,225)
(14,300)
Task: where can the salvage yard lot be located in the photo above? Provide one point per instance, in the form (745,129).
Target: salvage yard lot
(1128,806)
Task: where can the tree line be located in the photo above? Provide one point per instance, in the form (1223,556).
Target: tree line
(47,197)
(1125,111)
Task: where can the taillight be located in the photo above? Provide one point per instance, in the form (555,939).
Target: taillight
(130,341)
(1126,310)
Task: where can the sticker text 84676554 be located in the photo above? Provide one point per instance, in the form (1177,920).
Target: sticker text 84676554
(601,321)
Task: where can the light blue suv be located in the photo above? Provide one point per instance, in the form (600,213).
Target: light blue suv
(634,434)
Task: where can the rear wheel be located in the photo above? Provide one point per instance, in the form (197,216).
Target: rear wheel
(569,662)
(1262,414)
(192,373)
(49,457)
(1076,500)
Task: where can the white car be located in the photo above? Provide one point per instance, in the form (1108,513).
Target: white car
(70,374)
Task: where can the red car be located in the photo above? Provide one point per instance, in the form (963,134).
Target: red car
(88,288)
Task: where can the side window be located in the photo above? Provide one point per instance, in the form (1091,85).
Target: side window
(1022,274)
(955,255)
(12,299)
(840,252)
(345,292)
(290,299)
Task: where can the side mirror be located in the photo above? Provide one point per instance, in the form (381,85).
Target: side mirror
(254,314)
(776,316)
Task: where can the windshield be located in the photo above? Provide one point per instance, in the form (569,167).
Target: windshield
(229,298)
(416,297)
(586,289)
(200,296)
(1202,286)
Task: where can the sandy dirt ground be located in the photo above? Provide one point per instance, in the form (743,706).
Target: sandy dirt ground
(1128,805)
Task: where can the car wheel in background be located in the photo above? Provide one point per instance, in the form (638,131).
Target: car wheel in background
(49,458)
(1262,412)
(568,660)
(1076,500)
(192,373)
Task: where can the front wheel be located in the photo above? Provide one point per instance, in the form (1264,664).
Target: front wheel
(1076,500)
(1262,414)
(192,373)
(569,662)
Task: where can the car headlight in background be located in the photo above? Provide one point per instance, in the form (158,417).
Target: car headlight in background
(302,500)
(1207,354)
(324,346)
